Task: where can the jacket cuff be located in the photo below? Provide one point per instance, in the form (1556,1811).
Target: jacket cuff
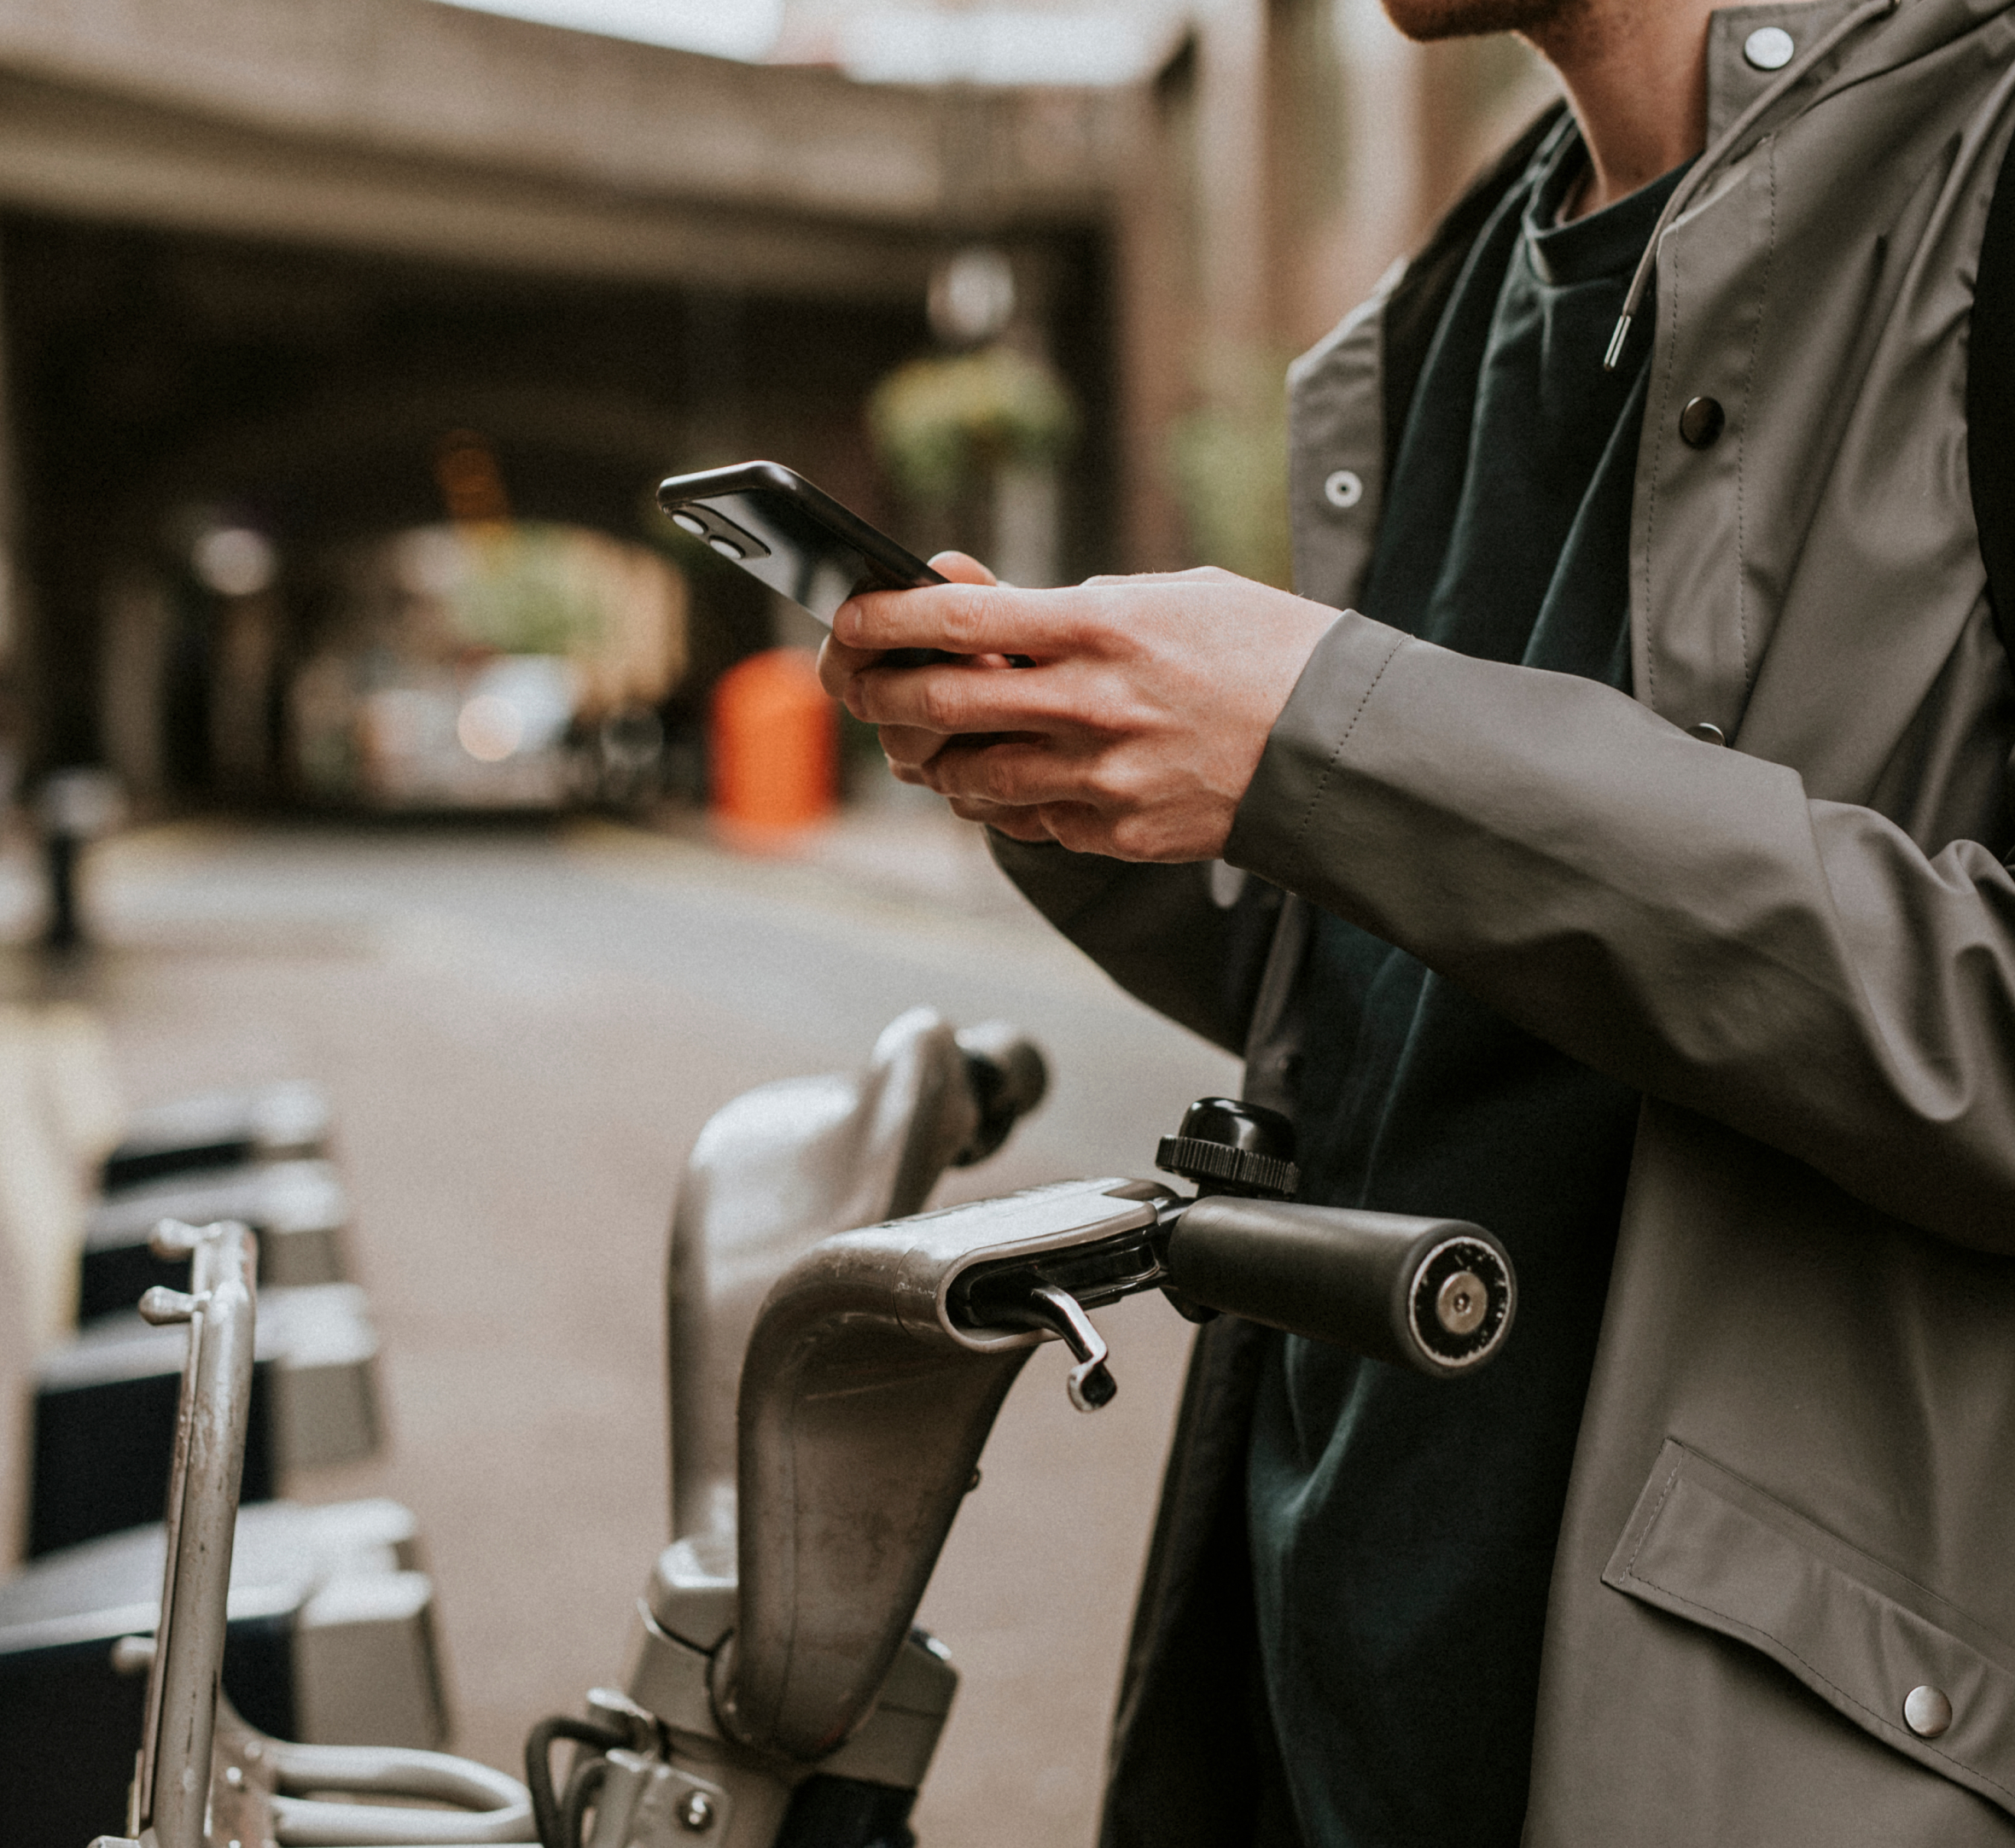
(1309,742)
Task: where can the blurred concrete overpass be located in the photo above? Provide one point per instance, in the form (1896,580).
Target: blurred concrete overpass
(401,126)
(258,257)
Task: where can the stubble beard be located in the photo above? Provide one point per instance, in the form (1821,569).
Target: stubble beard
(1547,25)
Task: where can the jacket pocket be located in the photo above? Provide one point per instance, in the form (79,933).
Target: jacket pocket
(1710,1548)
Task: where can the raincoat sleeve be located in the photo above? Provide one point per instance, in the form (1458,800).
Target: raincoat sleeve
(1156,930)
(1676,914)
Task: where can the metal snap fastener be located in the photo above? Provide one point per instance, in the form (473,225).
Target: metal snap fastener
(1460,1303)
(1702,422)
(1926,1711)
(1708,732)
(1345,488)
(1769,48)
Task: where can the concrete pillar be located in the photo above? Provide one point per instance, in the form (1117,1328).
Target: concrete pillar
(1157,313)
(245,657)
(1201,272)
(139,633)
(14,625)
(1233,117)
(1385,119)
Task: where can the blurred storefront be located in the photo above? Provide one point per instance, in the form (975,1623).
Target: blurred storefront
(1018,279)
(487,666)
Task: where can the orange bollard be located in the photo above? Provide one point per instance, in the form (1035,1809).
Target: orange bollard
(773,745)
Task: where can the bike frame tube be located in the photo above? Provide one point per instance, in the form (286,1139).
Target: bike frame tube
(864,1409)
(774,1172)
(173,1785)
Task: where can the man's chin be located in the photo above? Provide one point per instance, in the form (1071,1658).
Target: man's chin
(1428,20)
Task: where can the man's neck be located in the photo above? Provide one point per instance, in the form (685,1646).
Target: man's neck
(1636,75)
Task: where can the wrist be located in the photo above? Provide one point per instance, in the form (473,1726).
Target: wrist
(1307,745)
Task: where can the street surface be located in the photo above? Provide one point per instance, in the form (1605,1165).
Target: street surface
(523,1030)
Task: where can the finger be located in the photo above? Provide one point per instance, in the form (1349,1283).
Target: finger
(1193,575)
(910,746)
(839,664)
(1017,773)
(963,618)
(969,810)
(1021,823)
(913,749)
(953,698)
(959,568)
(1017,823)
(1078,827)
(962,567)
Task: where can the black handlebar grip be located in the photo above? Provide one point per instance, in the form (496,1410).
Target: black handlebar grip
(1437,1295)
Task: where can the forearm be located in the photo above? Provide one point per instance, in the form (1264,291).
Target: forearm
(1153,929)
(1679,916)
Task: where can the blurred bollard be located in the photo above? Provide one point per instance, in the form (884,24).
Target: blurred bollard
(773,754)
(72,807)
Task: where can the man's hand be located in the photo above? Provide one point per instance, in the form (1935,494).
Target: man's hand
(1135,729)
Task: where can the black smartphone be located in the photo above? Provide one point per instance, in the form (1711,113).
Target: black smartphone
(800,542)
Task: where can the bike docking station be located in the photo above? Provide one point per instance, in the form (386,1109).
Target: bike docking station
(331,1623)
(104,1393)
(838,1357)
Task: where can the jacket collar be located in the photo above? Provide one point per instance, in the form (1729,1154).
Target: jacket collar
(1733,83)
(1751,121)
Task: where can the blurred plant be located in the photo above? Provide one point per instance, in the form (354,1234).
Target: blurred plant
(1228,461)
(943,425)
(523,594)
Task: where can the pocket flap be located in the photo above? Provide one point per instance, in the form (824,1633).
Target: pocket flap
(1710,1548)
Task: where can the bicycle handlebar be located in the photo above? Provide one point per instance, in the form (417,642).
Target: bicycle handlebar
(1436,1295)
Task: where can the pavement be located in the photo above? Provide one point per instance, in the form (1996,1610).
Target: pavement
(523,1030)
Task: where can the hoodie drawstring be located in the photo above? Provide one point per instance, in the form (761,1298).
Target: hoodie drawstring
(1691,183)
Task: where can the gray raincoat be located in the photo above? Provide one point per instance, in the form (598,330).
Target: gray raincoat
(1783,1609)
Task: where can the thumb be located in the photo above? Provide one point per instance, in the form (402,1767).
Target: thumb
(962,568)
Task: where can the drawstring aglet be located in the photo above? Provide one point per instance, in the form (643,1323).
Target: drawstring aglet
(1698,172)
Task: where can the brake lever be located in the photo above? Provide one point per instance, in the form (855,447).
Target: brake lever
(1090,1383)
(1052,1291)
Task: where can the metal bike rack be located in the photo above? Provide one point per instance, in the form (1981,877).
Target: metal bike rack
(778,1695)
(203,1778)
(219,1129)
(298,1210)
